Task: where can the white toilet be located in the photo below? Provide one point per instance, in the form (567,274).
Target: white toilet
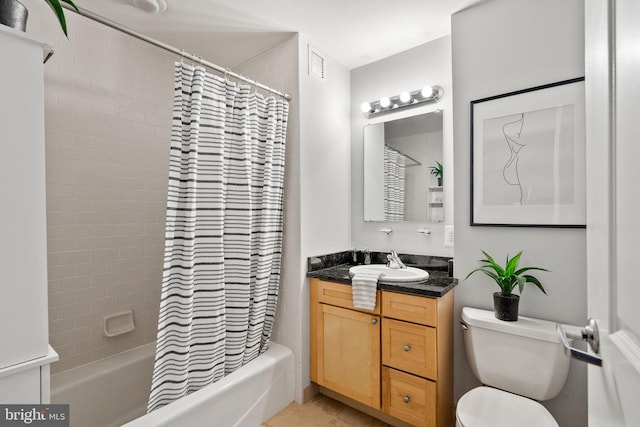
(512,360)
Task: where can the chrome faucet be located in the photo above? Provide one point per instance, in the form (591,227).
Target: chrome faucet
(394,261)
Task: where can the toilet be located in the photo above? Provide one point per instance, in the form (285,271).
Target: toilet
(518,363)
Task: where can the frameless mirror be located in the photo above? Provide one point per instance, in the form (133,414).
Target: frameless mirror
(401,159)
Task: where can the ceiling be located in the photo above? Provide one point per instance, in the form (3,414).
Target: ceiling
(229,32)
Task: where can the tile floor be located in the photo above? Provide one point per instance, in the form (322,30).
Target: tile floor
(322,411)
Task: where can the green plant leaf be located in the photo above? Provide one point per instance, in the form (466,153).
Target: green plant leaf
(70,3)
(492,275)
(436,170)
(485,271)
(521,282)
(59,12)
(512,264)
(522,270)
(510,276)
(535,281)
(491,262)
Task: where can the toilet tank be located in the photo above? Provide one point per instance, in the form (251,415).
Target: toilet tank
(524,357)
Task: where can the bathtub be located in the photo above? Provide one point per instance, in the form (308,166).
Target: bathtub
(114,391)
(108,392)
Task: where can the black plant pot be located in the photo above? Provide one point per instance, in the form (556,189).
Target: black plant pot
(505,307)
(13,14)
(439,181)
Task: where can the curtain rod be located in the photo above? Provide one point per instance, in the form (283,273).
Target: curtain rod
(112,24)
(405,155)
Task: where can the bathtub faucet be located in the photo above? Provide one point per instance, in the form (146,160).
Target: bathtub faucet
(394,261)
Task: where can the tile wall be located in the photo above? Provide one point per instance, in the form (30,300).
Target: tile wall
(108,100)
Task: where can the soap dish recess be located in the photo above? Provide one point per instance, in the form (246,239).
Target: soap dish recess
(118,323)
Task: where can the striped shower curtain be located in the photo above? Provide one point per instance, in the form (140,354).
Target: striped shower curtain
(394,177)
(223,241)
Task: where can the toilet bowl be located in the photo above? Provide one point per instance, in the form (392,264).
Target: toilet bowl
(518,363)
(489,407)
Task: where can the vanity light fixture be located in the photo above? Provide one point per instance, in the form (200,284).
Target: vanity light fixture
(366,107)
(429,94)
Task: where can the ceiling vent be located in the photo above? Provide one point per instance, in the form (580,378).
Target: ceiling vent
(317,64)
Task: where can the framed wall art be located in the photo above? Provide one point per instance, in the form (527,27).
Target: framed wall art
(528,157)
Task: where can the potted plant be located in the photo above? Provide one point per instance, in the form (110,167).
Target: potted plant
(437,172)
(505,303)
(14,14)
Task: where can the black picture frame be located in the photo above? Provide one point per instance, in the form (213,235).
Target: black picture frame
(528,151)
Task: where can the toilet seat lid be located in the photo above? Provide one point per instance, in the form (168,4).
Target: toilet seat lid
(490,407)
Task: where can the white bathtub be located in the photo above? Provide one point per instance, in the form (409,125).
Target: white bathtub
(109,392)
(114,391)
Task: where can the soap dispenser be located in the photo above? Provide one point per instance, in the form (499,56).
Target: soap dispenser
(353,256)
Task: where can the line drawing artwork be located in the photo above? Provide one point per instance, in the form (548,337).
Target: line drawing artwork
(528,158)
(512,132)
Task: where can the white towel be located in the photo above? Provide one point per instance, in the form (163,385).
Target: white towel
(363,290)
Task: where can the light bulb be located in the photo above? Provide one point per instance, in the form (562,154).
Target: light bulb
(405,97)
(365,107)
(427,92)
(385,102)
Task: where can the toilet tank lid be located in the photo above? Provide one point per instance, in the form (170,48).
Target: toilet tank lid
(524,326)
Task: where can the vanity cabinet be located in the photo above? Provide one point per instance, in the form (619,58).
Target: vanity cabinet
(397,359)
(345,344)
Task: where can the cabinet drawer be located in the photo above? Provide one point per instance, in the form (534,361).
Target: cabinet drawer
(411,308)
(409,347)
(339,295)
(409,398)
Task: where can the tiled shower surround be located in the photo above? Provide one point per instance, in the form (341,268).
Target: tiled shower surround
(108,101)
(108,109)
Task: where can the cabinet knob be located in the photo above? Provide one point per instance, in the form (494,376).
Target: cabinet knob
(374,321)
(406,399)
(406,347)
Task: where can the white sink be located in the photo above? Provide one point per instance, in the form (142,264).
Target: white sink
(390,276)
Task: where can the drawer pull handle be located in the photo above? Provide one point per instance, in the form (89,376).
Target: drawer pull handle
(406,347)
(406,399)
(374,321)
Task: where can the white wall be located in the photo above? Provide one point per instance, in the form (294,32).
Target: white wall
(501,46)
(428,64)
(317,182)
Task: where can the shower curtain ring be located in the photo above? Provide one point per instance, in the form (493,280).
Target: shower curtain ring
(182,56)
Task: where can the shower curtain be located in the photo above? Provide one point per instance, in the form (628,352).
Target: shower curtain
(394,171)
(223,241)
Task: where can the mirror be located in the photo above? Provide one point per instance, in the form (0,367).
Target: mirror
(399,156)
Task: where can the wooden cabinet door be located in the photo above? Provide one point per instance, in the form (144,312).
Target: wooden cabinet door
(348,353)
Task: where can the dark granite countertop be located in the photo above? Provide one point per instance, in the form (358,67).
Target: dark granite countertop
(437,285)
